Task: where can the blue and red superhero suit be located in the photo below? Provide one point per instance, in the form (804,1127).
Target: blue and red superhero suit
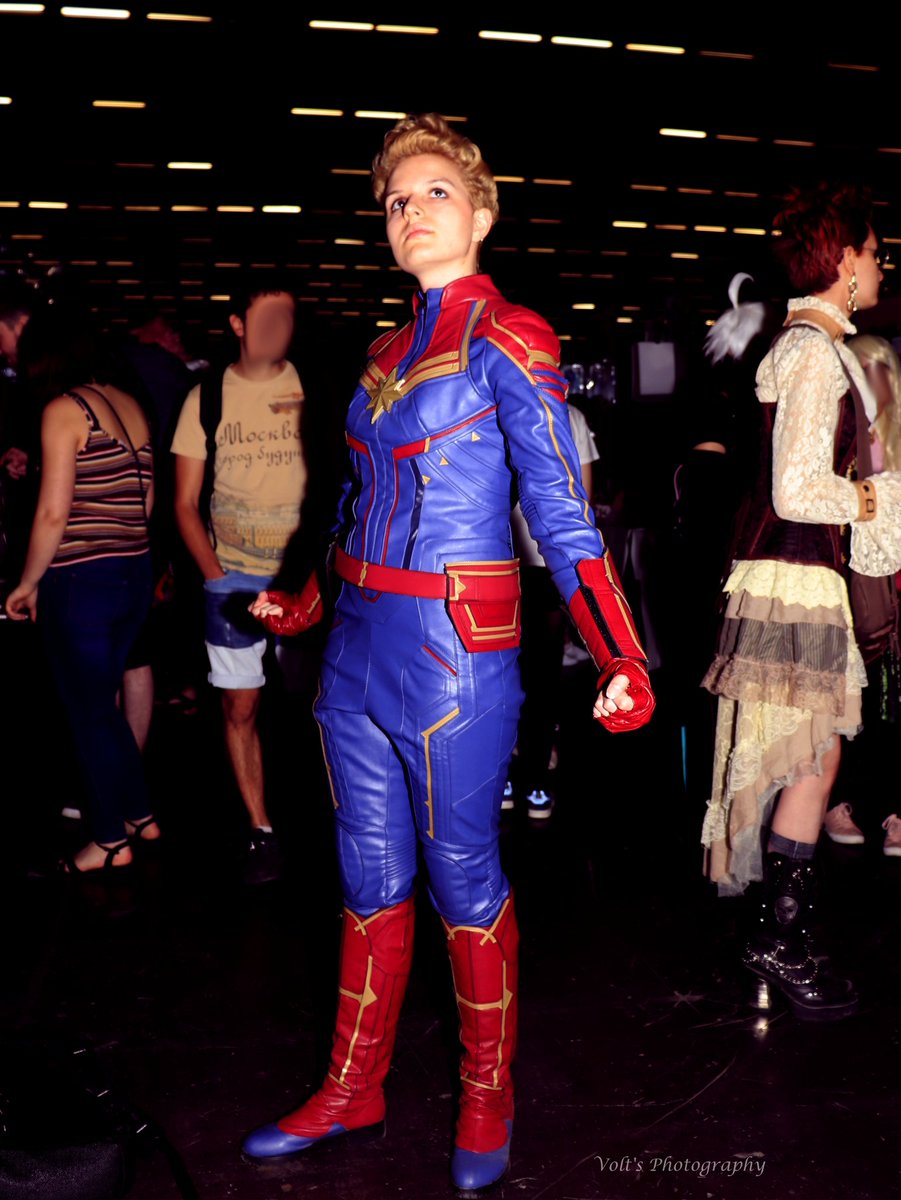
(420,694)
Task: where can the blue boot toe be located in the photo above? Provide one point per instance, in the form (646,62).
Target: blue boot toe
(471,1171)
(271,1142)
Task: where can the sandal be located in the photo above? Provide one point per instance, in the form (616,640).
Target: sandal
(135,829)
(68,865)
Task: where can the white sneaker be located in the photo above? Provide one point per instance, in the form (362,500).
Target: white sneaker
(892,827)
(507,802)
(840,827)
(541,805)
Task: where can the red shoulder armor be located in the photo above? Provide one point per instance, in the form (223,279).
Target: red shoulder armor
(528,341)
(384,354)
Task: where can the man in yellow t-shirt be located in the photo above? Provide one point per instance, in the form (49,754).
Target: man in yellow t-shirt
(259,481)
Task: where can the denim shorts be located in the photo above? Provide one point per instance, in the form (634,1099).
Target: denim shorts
(235,641)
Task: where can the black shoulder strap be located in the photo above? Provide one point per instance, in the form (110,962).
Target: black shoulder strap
(210,417)
(85,408)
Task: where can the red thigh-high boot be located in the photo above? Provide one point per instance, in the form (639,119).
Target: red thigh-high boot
(484,963)
(376,953)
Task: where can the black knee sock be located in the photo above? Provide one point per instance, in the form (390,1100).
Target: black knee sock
(778,844)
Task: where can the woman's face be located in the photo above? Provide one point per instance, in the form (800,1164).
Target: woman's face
(869,276)
(433,229)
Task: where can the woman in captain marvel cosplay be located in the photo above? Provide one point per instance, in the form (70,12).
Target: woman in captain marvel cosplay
(420,694)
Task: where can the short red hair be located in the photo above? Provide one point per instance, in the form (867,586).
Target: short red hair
(816,226)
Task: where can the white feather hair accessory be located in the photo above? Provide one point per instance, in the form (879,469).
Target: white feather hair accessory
(733,332)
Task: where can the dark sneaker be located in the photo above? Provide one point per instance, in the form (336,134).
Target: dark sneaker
(263,862)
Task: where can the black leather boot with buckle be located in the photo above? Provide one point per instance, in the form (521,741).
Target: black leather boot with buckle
(781,954)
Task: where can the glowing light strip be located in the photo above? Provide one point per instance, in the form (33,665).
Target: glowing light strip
(21,8)
(281,208)
(629,224)
(118,104)
(650,48)
(725,54)
(317,112)
(588,43)
(683,133)
(379,114)
(47,204)
(351,26)
(104,14)
(424,29)
(499,35)
(189,166)
(160,16)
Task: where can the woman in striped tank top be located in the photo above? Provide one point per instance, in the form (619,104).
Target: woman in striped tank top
(87,579)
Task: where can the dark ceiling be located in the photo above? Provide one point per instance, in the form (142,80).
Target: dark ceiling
(576,129)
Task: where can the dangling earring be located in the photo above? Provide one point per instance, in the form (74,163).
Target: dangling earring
(852,294)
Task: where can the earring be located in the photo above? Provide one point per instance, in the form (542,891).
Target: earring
(852,294)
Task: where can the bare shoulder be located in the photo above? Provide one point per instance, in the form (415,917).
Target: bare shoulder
(64,411)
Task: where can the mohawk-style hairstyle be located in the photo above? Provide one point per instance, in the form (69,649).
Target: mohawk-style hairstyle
(816,226)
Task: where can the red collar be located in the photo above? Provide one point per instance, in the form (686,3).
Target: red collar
(461,291)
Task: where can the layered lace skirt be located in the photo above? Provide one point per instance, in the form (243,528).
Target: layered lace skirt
(789,677)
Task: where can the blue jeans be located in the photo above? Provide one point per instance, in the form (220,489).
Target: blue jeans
(89,615)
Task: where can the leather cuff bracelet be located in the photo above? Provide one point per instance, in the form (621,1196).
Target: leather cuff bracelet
(866,499)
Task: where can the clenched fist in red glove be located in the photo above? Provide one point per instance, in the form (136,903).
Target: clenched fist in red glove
(280,612)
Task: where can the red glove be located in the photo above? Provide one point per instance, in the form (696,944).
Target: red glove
(298,612)
(604,620)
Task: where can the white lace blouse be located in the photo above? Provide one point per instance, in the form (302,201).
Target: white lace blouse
(802,374)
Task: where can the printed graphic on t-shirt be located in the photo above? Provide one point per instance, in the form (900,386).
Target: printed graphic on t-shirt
(246,531)
(242,444)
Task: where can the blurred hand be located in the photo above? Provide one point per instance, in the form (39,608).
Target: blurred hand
(15,462)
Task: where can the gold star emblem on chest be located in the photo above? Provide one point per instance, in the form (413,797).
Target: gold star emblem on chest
(386,395)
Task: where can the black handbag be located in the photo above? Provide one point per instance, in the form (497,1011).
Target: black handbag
(65,1135)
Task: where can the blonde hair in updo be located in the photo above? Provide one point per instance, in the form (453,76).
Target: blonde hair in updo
(429,133)
(872,350)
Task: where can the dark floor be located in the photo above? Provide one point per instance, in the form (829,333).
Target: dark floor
(641,1068)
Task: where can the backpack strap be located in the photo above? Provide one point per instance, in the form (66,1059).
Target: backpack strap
(210,418)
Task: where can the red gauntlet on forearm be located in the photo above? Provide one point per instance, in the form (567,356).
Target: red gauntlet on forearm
(604,621)
(299,612)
